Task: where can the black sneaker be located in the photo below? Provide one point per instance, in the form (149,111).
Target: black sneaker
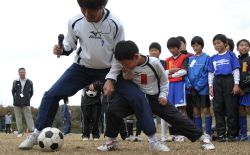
(231,138)
(221,138)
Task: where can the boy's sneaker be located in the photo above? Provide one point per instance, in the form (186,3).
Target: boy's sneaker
(170,138)
(132,138)
(109,146)
(29,142)
(180,138)
(242,138)
(158,146)
(139,138)
(221,138)
(20,135)
(68,134)
(96,139)
(127,139)
(164,139)
(85,139)
(231,138)
(206,144)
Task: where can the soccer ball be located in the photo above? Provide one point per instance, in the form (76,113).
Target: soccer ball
(91,93)
(50,139)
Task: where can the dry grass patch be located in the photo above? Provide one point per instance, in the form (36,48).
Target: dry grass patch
(74,145)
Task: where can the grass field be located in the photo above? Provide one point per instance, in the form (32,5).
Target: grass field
(74,145)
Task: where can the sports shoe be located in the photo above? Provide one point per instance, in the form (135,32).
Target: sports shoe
(139,138)
(20,135)
(170,138)
(242,138)
(29,142)
(96,139)
(206,144)
(231,138)
(109,146)
(180,138)
(132,138)
(158,146)
(221,138)
(85,139)
(208,136)
(164,139)
(127,139)
(68,134)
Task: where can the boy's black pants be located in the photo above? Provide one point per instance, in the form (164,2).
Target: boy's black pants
(225,105)
(91,117)
(169,113)
(7,128)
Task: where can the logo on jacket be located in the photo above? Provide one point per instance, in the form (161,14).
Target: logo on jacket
(137,73)
(96,35)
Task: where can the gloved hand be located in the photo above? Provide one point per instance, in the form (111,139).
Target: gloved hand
(194,92)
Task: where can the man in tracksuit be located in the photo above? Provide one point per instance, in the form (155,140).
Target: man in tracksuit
(97,30)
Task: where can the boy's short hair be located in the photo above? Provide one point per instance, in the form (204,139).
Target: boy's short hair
(173,42)
(155,45)
(21,69)
(92,4)
(238,43)
(198,40)
(230,43)
(125,50)
(8,111)
(220,37)
(181,39)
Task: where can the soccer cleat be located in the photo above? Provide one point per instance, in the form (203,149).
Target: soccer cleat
(132,138)
(109,146)
(85,139)
(158,146)
(231,138)
(127,139)
(180,138)
(170,138)
(29,142)
(242,138)
(164,139)
(248,139)
(139,138)
(206,144)
(96,139)
(20,135)
(221,138)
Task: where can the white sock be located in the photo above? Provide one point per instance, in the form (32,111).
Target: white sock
(37,132)
(153,138)
(155,120)
(113,139)
(164,128)
(201,138)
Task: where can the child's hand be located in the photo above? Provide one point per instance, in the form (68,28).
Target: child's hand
(211,91)
(127,75)
(241,92)
(173,70)
(92,88)
(236,89)
(162,101)
(169,76)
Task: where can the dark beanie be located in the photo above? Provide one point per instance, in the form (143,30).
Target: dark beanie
(155,45)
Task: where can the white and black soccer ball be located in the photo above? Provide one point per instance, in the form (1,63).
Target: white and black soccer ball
(91,93)
(50,139)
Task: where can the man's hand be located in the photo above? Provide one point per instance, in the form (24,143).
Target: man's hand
(211,92)
(127,75)
(64,119)
(236,89)
(173,70)
(162,101)
(92,88)
(57,50)
(108,88)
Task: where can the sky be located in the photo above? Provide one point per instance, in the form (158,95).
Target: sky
(29,30)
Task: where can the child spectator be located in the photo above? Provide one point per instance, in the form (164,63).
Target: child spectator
(197,84)
(91,109)
(230,45)
(66,117)
(177,93)
(223,87)
(244,59)
(130,125)
(8,119)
